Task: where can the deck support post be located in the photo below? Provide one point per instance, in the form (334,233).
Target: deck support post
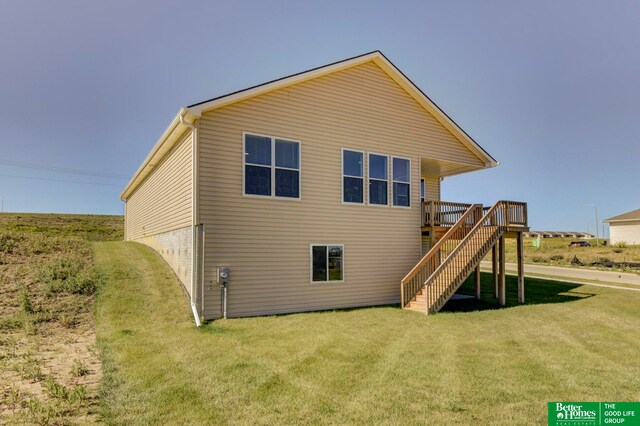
(494,269)
(520,251)
(502,293)
(477,282)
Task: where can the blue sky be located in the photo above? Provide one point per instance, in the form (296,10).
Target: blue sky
(550,88)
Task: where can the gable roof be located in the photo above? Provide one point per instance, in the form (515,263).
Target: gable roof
(188,115)
(625,217)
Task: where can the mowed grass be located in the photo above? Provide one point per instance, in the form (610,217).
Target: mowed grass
(378,365)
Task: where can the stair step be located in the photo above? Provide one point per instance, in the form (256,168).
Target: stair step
(421,309)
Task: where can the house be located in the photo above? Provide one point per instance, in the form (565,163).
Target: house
(625,228)
(304,193)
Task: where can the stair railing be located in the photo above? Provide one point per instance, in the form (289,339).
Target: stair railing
(415,280)
(465,256)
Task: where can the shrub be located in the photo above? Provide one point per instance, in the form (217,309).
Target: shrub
(30,370)
(538,259)
(79,368)
(70,395)
(10,323)
(68,320)
(86,282)
(9,242)
(556,257)
(42,413)
(25,301)
(618,250)
(60,269)
(621,244)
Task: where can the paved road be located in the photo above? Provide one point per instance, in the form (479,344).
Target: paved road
(606,277)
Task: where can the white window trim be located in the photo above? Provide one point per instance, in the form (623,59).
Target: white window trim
(342,176)
(410,206)
(272,167)
(311,246)
(369,179)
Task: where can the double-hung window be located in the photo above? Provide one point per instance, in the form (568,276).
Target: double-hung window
(378,179)
(352,176)
(271,166)
(327,262)
(401,173)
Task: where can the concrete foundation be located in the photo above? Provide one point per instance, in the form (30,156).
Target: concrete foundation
(175,248)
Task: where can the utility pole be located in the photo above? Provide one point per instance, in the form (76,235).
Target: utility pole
(597,233)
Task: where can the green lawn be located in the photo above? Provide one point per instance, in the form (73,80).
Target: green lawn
(361,366)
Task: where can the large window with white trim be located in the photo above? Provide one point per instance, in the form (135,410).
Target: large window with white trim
(271,166)
(352,176)
(378,179)
(327,262)
(401,173)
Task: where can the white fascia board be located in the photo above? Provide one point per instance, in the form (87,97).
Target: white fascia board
(279,84)
(434,110)
(168,139)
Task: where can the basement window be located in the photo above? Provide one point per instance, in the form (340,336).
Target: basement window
(327,262)
(271,166)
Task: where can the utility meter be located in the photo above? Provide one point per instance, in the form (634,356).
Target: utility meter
(223,275)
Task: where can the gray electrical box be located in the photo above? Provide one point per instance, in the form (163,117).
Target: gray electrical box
(223,275)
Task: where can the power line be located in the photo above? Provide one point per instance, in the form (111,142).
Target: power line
(61,180)
(35,166)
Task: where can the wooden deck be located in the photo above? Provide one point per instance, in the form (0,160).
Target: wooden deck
(461,235)
(440,216)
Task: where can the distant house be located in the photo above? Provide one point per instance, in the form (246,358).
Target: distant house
(305,193)
(625,228)
(558,234)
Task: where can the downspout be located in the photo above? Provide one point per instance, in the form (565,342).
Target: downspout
(194,169)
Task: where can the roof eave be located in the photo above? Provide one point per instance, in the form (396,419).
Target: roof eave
(386,65)
(193,112)
(403,81)
(164,144)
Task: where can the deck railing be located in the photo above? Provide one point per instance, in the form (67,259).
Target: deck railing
(446,213)
(442,213)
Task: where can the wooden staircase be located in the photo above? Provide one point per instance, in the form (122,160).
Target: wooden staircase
(432,282)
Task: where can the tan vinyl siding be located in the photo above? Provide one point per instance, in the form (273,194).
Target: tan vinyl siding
(431,188)
(426,244)
(266,241)
(163,201)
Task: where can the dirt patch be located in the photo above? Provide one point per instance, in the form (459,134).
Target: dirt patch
(49,365)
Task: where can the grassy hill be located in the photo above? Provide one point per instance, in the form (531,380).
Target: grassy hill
(50,369)
(87,227)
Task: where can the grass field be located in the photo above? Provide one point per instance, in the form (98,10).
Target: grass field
(472,363)
(555,251)
(361,366)
(49,365)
